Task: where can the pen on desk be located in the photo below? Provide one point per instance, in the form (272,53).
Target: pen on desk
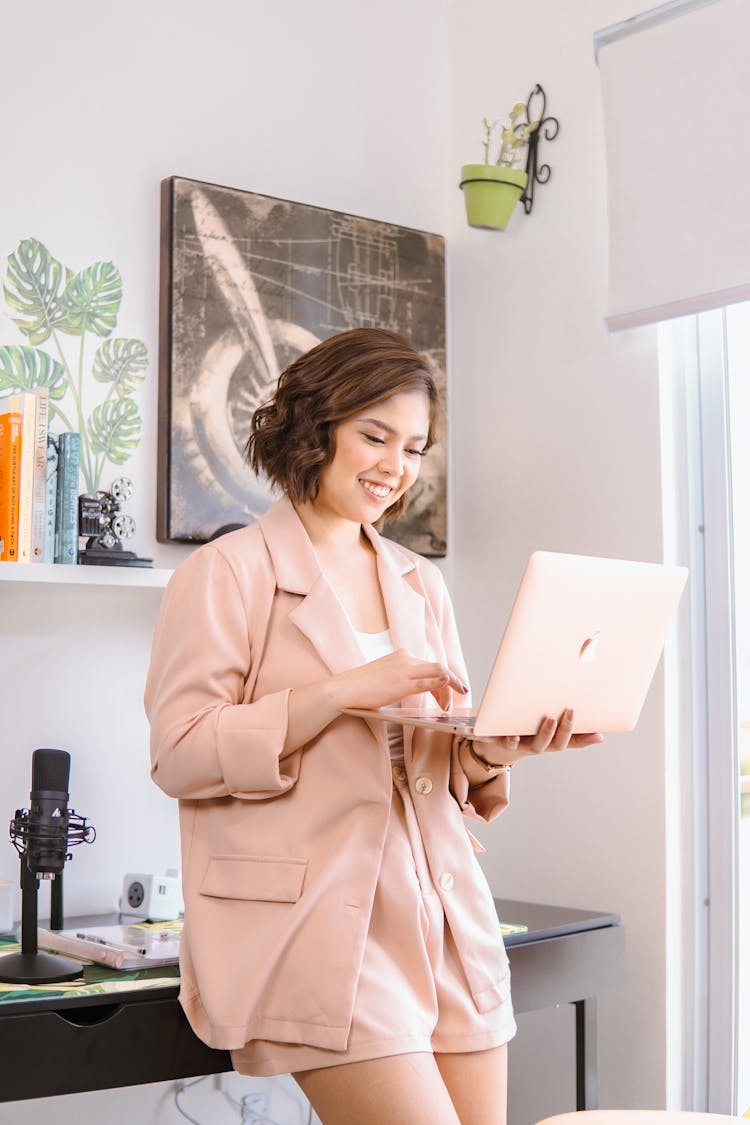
(121,947)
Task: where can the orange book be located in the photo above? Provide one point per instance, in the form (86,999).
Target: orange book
(10,464)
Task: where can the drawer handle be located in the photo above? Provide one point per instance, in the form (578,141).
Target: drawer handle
(89,1016)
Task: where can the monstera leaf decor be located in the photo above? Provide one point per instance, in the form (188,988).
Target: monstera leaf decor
(49,302)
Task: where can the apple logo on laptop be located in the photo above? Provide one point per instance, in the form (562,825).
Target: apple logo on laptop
(589,648)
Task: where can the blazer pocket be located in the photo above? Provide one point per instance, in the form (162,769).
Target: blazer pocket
(256,877)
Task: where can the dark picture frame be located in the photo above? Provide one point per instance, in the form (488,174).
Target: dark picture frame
(248,283)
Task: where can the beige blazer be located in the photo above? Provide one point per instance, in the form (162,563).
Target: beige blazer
(280,850)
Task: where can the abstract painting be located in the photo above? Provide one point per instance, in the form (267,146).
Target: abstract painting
(248,283)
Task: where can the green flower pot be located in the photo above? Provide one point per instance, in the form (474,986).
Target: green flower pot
(491,191)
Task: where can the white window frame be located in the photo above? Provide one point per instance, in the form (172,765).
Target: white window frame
(702,753)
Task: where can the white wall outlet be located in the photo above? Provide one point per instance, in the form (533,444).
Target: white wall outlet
(157,897)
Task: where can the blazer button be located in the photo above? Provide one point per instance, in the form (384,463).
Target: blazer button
(423,785)
(399,773)
(446,881)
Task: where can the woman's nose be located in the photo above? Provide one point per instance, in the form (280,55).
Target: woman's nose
(392,462)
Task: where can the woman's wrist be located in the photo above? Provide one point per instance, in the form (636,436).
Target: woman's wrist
(332,693)
(487,766)
(311,709)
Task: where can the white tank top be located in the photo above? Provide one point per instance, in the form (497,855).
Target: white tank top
(373,646)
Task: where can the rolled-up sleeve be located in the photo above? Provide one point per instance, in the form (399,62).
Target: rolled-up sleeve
(478,799)
(206,741)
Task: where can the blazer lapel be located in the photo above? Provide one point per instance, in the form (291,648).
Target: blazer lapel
(322,619)
(404,605)
(319,615)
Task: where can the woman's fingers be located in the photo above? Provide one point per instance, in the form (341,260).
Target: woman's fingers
(442,696)
(563,731)
(553,734)
(579,740)
(559,735)
(542,740)
(393,677)
(437,676)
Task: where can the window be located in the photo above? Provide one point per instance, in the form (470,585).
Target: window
(705,380)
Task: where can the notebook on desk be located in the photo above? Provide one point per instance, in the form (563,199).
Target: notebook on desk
(120,947)
(583,632)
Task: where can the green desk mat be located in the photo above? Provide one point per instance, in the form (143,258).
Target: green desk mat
(95,980)
(101,980)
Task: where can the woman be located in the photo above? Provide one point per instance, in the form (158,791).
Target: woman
(337,925)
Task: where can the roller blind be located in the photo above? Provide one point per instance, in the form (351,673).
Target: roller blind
(676,93)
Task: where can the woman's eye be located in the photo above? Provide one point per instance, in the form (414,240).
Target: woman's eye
(375,440)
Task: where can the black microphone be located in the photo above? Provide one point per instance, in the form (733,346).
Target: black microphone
(48,820)
(42,835)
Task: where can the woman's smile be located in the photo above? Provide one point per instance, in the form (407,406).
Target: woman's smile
(376,490)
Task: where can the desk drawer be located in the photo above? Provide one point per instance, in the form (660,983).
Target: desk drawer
(100,1046)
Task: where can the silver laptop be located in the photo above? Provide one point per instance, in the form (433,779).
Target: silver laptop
(583,632)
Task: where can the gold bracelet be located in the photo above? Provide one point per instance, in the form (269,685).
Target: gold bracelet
(487,766)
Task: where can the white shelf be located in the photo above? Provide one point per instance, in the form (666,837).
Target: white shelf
(61,575)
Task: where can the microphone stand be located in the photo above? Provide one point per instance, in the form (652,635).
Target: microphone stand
(30,966)
(56,903)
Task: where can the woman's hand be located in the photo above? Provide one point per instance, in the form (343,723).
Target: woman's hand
(372,685)
(387,680)
(553,734)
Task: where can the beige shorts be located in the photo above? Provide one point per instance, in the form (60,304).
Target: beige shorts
(429,1008)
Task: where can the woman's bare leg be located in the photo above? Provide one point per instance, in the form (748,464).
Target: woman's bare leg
(477,1082)
(400,1089)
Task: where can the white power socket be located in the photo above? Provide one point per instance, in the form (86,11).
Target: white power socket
(157,897)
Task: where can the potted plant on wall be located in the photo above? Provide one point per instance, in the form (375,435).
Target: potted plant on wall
(491,191)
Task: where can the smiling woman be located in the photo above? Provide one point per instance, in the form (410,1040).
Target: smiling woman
(377,458)
(340,382)
(338,924)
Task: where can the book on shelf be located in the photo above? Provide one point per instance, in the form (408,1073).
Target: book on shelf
(24,403)
(66,514)
(120,947)
(50,499)
(40,472)
(10,459)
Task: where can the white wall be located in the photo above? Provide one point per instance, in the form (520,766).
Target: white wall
(318,103)
(554,424)
(556,446)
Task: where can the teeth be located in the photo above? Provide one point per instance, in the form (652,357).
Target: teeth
(379,490)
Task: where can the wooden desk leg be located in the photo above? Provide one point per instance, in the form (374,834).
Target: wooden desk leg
(587,1063)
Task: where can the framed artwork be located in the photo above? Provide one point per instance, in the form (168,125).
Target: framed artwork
(248,283)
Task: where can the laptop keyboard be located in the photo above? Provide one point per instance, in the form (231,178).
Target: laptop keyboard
(454,720)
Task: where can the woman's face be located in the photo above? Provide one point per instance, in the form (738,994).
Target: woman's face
(378,456)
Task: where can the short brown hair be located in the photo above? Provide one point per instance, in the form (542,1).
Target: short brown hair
(292,437)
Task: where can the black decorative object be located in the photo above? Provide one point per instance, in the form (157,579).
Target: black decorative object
(42,835)
(536,120)
(100,518)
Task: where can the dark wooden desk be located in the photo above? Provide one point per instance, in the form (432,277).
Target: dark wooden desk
(66,1045)
(566,957)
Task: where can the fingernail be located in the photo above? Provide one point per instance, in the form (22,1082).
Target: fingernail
(464,688)
(569,716)
(512,741)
